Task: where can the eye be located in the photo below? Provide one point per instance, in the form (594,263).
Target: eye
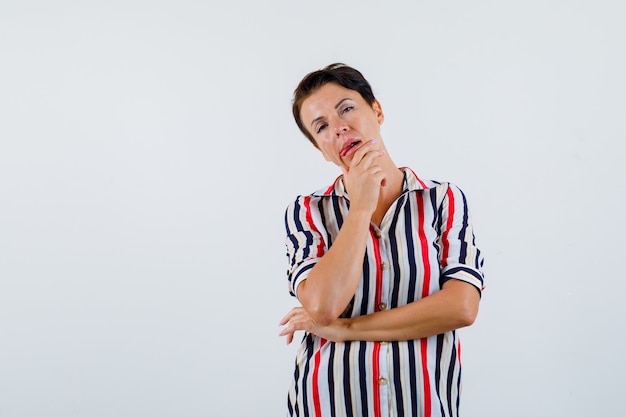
(320,127)
(347,109)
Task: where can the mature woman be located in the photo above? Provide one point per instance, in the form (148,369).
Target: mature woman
(383,263)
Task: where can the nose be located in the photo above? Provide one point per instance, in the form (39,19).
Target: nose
(340,129)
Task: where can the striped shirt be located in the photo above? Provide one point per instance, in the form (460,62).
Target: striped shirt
(425,239)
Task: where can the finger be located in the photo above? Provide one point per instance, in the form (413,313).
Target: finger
(367,147)
(358,153)
(289,315)
(288,335)
(285,319)
(367,159)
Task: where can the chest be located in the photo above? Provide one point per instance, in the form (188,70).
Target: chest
(401,263)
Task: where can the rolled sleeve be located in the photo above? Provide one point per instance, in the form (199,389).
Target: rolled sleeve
(460,258)
(305,242)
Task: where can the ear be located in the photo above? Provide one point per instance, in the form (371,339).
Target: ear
(378,110)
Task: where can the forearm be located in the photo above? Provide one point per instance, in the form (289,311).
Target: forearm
(455,306)
(333,281)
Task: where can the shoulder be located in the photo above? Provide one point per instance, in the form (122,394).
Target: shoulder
(336,189)
(438,191)
(305,203)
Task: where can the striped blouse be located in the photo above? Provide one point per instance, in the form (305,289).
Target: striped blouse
(425,239)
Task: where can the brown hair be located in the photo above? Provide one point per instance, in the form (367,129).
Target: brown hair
(338,73)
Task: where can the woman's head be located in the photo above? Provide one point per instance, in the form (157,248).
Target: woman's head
(340,74)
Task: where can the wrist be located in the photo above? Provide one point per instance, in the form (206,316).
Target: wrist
(360,214)
(342,329)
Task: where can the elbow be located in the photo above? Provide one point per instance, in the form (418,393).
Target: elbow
(322,310)
(467,313)
(463,303)
(322,315)
(467,319)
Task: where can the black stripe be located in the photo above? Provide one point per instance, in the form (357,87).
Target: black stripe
(296,376)
(439,351)
(365,279)
(450,380)
(331,380)
(458,387)
(294,243)
(310,240)
(469,270)
(337,209)
(362,381)
(289,407)
(347,370)
(397,381)
(440,216)
(303,270)
(296,210)
(395,259)
(412,255)
(433,203)
(305,375)
(322,210)
(463,231)
(436,225)
(410,346)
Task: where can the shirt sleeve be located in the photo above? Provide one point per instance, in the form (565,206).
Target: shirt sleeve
(305,240)
(459,258)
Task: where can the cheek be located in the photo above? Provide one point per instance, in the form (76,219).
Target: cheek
(325,154)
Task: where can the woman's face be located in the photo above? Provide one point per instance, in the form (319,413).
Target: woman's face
(340,121)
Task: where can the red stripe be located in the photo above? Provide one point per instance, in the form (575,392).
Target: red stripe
(379,273)
(377,300)
(330,189)
(316,388)
(376,372)
(309,220)
(422,183)
(425,291)
(423,245)
(424,355)
(449,222)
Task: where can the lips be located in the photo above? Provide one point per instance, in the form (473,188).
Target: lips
(349,147)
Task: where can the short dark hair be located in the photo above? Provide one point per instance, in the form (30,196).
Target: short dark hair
(338,73)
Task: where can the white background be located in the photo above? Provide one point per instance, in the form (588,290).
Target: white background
(147,154)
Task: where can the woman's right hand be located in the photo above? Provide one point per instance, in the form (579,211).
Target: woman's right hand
(364,177)
(299,319)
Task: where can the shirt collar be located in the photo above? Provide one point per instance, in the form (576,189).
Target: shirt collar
(411,182)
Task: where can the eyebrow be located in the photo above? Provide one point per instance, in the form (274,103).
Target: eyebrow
(336,107)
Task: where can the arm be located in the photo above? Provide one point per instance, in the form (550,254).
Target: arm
(453,307)
(334,279)
(329,286)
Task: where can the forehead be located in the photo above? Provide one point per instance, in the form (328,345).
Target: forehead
(325,99)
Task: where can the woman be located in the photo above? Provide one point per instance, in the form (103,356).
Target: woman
(383,263)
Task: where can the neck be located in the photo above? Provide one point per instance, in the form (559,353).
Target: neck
(389,191)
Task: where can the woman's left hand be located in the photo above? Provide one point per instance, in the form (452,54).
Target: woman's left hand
(298,319)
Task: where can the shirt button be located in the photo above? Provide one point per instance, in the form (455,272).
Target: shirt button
(383,266)
(382,306)
(383,343)
(378,234)
(382,381)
